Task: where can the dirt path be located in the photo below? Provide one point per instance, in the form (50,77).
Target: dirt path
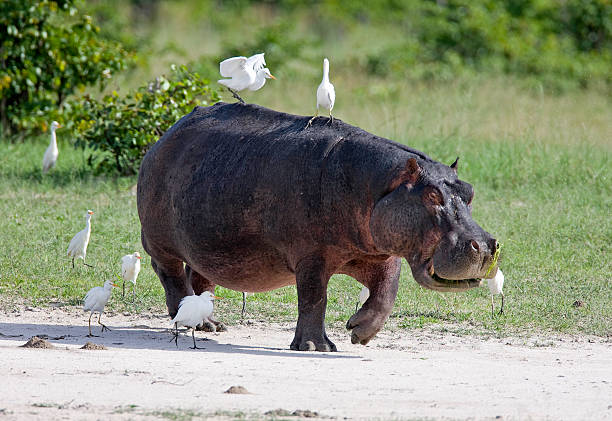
(400,375)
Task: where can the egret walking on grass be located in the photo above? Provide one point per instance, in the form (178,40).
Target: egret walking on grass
(244,73)
(130,268)
(78,245)
(96,299)
(496,286)
(326,94)
(193,311)
(50,156)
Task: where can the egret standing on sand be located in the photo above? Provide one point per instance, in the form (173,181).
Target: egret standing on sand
(78,245)
(96,299)
(326,94)
(130,268)
(193,311)
(495,287)
(52,152)
(244,73)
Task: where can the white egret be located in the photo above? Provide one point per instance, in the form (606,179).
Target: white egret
(364,294)
(78,245)
(50,156)
(326,94)
(130,267)
(244,73)
(193,311)
(495,287)
(96,299)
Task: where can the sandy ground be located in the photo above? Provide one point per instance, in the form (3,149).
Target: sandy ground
(423,374)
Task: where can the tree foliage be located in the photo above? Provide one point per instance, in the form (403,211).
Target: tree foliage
(120,130)
(48,50)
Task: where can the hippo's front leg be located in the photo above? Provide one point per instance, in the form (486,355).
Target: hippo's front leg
(382,279)
(312,276)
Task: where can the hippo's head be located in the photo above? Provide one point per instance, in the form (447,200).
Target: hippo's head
(426,217)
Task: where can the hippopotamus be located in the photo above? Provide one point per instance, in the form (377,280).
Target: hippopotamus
(251,199)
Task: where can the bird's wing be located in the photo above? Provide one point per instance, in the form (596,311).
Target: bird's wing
(257,61)
(231,66)
(331,95)
(74,243)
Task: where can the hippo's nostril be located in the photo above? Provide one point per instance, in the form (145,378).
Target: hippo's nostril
(475,245)
(493,245)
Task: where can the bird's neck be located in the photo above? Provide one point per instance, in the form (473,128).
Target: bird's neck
(53,139)
(325,71)
(88,224)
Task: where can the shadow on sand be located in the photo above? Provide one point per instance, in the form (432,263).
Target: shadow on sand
(143,337)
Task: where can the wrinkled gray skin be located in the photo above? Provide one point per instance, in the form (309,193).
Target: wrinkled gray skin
(248,198)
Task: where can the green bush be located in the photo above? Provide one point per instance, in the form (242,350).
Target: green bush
(120,130)
(47,51)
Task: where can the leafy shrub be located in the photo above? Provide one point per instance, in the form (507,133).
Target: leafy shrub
(555,42)
(47,51)
(120,130)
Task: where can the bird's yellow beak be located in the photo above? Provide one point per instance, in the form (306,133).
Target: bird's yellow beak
(217,298)
(139,257)
(90,212)
(272,77)
(115,285)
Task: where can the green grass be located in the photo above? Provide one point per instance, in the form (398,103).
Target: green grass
(541,170)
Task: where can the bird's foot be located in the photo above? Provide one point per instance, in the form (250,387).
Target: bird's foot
(104,327)
(330,120)
(197,347)
(92,336)
(87,264)
(175,336)
(310,122)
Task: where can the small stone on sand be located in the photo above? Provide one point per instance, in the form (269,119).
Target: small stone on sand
(36,342)
(237,390)
(92,346)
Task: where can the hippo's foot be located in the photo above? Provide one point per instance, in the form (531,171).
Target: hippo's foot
(212,325)
(302,343)
(365,325)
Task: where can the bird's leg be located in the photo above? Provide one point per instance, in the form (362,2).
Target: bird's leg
(235,95)
(90,335)
(73,263)
(331,118)
(102,324)
(194,341)
(501,310)
(243,304)
(123,289)
(134,293)
(176,334)
(356,306)
(87,264)
(312,119)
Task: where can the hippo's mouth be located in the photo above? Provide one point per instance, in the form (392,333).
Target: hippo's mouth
(426,276)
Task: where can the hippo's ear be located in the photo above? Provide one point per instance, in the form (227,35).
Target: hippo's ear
(408,175)
(454,165)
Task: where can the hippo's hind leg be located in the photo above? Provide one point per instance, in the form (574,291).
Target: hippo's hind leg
(199,284)
(311,277)
(382,278)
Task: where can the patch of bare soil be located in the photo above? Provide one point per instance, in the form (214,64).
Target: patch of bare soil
(429,373)
(36,342)
(93,347)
